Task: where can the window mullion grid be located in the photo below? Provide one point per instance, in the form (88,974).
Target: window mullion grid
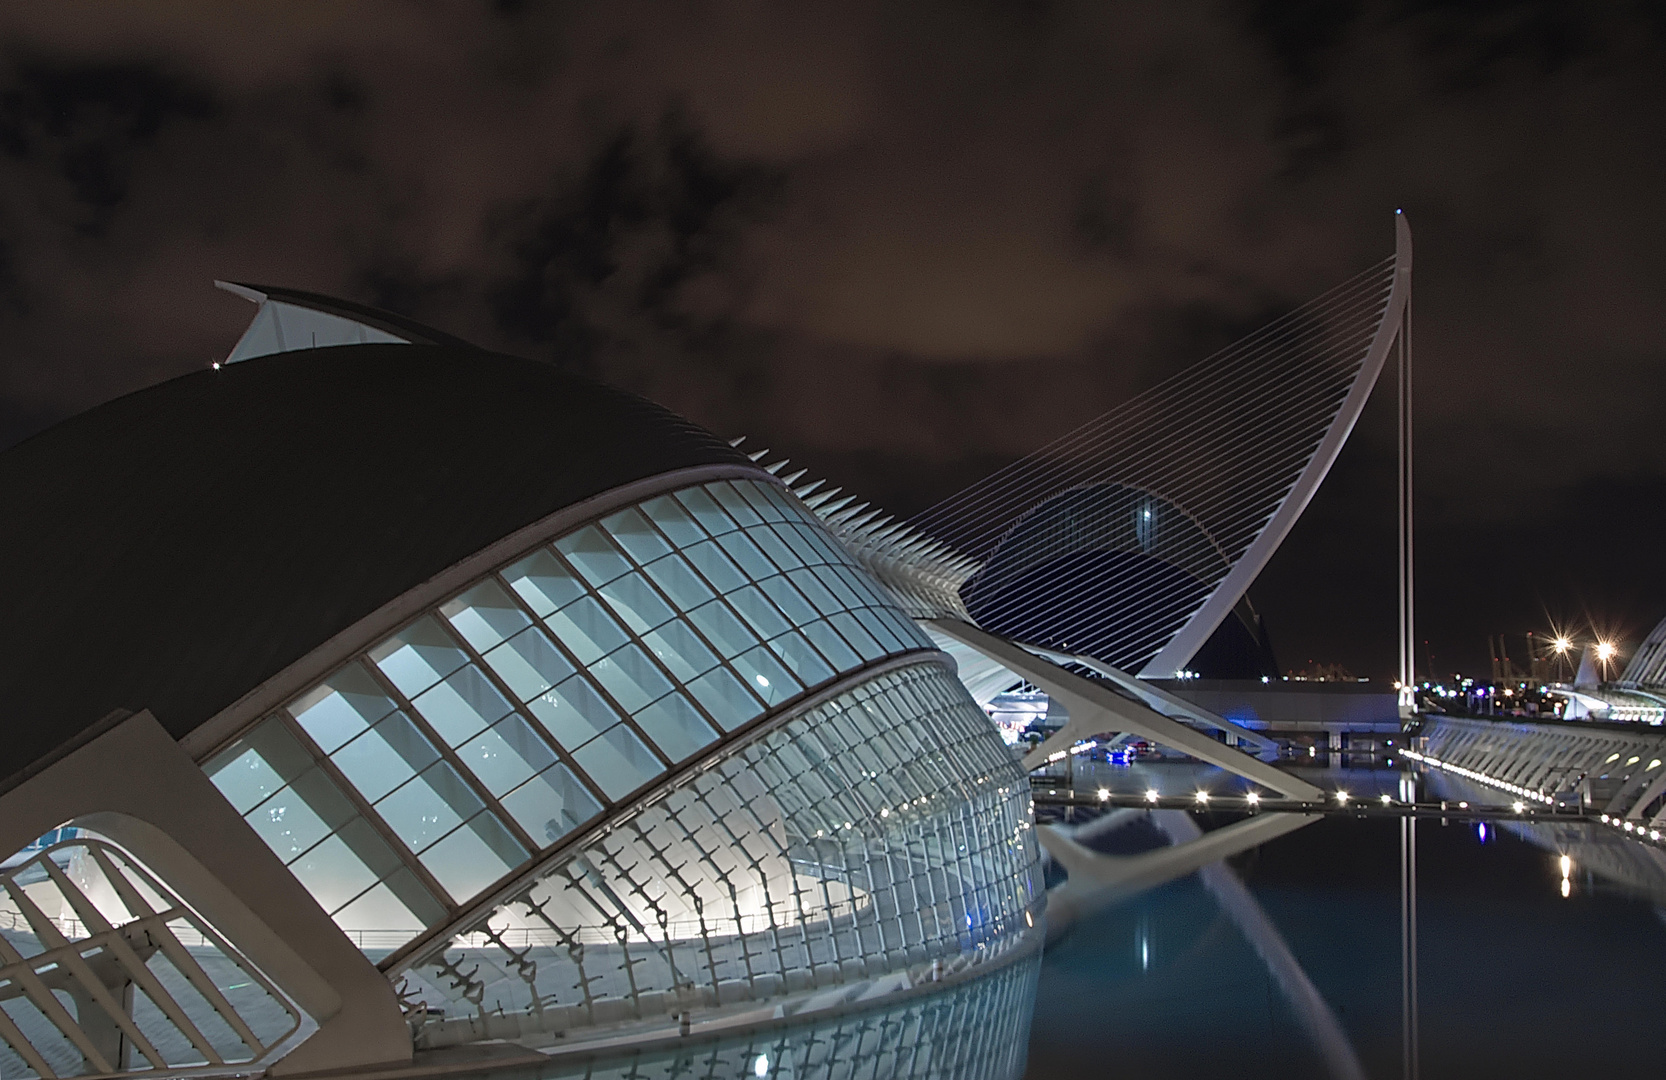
(717,594)
(721,595)
(596,684)
(365,810)
(445,751)
(680,615)
(479,661)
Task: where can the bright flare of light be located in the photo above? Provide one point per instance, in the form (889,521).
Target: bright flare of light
(760,1067)
(1203,796)
(1567,864)
(1252,798)
(1387,800)
(1518,806)
(1151,795)
(1567,888)
(1104,793)
(1342,797)
(1561,645)
(1605,650)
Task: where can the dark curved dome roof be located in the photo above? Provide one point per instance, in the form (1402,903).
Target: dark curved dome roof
(175,548)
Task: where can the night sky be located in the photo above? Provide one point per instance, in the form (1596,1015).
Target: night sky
(907,243)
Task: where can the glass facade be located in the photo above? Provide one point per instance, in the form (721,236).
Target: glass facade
(884,833)
(498,722)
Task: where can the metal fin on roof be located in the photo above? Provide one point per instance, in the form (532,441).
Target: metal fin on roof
(289,319)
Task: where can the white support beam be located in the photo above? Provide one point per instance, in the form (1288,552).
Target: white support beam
(1094,708)
(1158,698)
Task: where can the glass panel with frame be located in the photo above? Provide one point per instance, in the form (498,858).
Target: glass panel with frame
(518,709)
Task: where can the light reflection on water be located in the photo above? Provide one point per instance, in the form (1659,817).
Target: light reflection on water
(1530,966)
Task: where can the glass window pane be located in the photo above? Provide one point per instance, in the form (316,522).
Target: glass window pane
(418,656)
(681,584)
(676,726)
(784,500)
(802,548)
(814,591)
(243,776)
(741,549)
(551,804)
(428,807)
(862,585)
(731,501)
(341,707)
(779,553)
(860,639)
(485,615)
(632,678)
(839,587)
(882,633)
(507,756)
(791,602)
(585,627)
(593,555)
(640,540)
(673,520)
(636,602)
(905,628)
(726,698)
(833,646)
(529,663)
(543,582)
(709,559)
(722,628)
(803,661)
(618,762)
(384,757)
(465,704)
(381,910)
(756,609)
(573,713)
(473,857)
(766,676)
(753,493)
(705,511)
(287,824)
(332,873)
(680,650)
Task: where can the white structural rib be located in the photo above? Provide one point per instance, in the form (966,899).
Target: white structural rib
(283,325)
(1094,708)
(1183,645)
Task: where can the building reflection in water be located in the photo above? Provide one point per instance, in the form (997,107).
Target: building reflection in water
(978,1030)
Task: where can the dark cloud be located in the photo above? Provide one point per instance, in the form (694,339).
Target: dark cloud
(905,243)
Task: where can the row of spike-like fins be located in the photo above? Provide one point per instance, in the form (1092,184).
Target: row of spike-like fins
(928,570)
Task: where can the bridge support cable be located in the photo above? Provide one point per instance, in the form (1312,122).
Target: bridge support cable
(1162,511)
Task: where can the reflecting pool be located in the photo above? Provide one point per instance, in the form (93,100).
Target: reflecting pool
(1297,974)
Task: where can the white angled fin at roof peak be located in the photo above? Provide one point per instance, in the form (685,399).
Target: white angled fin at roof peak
(279,326)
